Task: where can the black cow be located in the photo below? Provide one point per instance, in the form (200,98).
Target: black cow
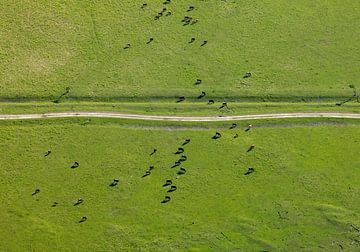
(211,102)
(198,81)
(83,219)
(147,173)
(79,201)
(167,183)
(48,153)
(167,199)
(202,95)
(172,189)
(233,126)
(251,148)
(75,165)
(181,98)
(154,151)
(150,40)
(192,40)
(180,150)
(247,75)
(181,171)
(35,192)
(217,135)
(250,170)
(114,183)
(186,142)
(191,8)
(204,43)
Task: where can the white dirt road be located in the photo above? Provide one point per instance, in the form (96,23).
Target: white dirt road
(180,118)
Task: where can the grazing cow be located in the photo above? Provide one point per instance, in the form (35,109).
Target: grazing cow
(181,98)
(198,81)
(191,8)
(204,43)
(79,201)
(247,75)
(194,22)
(192,40)
(35,192)
(75,165)
(167,183)
(248,127)
(84,218)
(224,105)
(48,153)
(217,135)
(183,158)
(154,151)
(172,189)
(143,5)
(186,142)
(177,163)
(167,199)
(151,168)
(167,2)
(168,14)
(164,9)
(127,46)
(236,136)
(180,150)
(211,102)
(150,40)
(147,173)
(233,126)
(202,95)
(251,148)
(54,204)
(157,17)
(181,171)
(114,183)
(250,170)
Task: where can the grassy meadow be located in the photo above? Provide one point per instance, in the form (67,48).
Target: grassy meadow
(303,195)
(307,49)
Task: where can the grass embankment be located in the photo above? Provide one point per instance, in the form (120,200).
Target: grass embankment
(303,194)
(294,50)
(185,108)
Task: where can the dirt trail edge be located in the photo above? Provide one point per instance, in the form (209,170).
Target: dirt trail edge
(180,118)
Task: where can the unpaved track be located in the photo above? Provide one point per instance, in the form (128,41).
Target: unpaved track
(179,118)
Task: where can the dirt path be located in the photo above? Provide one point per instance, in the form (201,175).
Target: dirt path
(180,118)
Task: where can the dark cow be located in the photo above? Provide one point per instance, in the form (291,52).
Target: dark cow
(84,218)
(181,171)
(167,183)
(167,199)
(114,183)
(180,150)
(79,201)
(75,165)
(172,189)
(250,170)
(202,95)
(35,192)
(217,135)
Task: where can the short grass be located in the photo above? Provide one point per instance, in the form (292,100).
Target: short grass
(175,109)
(303,194)
(293,49)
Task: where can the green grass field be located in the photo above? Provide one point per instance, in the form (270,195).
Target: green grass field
(60,56)
(305,49)
(303,195)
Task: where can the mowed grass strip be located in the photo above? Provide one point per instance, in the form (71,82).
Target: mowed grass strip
(293,49)
(303,194)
